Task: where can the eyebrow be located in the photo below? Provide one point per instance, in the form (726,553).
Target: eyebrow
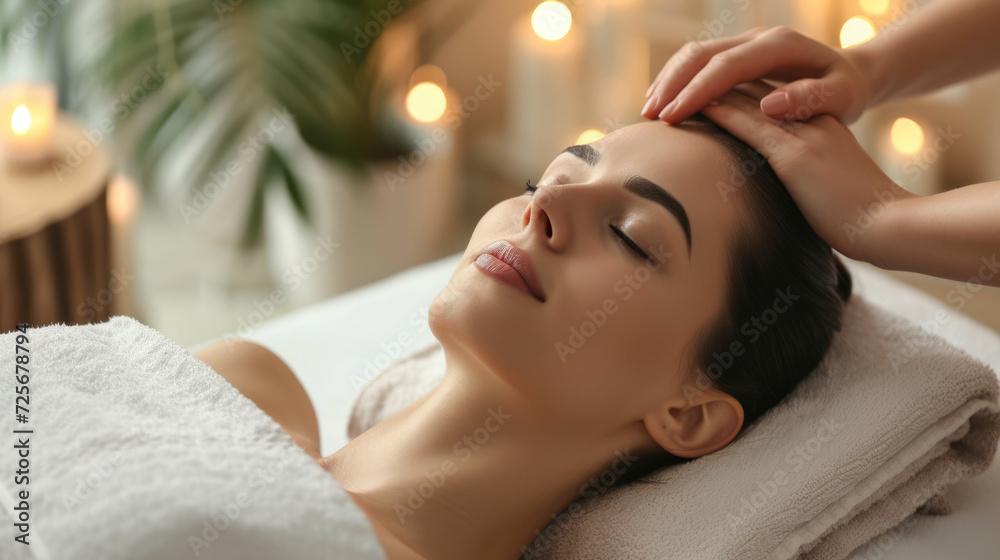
(642,187)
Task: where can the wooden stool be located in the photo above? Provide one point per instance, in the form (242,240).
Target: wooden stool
(55,236)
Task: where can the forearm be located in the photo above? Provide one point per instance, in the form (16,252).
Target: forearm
(939,44)
(953,234)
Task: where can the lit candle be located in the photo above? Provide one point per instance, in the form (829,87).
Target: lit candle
(546,98)
(123,203)
(855,31)
(908,156)
(123,200)
(27,122)
(426,100)
(617,59)
(589,135)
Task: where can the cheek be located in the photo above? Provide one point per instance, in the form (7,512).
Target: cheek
(618,355)
(497,222)
(620,327)
(598,309)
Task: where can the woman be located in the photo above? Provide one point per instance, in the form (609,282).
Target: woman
(664,293)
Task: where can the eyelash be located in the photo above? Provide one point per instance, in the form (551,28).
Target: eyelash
(529,188)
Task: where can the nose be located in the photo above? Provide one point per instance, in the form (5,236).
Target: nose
(538,219)
(544,221)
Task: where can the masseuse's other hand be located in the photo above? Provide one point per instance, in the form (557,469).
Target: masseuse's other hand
(826,171)
(816,78)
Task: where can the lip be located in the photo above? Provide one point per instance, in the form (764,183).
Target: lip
(512,265)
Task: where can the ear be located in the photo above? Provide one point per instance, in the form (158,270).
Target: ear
(697,424)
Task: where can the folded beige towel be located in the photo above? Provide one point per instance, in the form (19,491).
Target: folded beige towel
(889,419)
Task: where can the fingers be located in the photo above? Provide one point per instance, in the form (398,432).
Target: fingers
(681,67)
(746,103)
(809,97)
(770,51)
(717,76)
(767,54)
(815,131)
(741,116)
(756,89)
(695,49)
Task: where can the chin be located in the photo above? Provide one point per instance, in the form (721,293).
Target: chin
(458,307)
(477,316)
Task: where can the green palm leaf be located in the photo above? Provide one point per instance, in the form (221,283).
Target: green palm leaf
(228,67)
(226,63)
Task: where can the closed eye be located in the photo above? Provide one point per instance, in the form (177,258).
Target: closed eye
(628,242)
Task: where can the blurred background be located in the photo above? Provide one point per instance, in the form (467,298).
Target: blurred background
(205,166)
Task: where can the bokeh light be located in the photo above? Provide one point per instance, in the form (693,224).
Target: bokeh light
(856,30)
(551,20)
(589,135)
(907,136)
(426,102)
(122,199)
(20,121)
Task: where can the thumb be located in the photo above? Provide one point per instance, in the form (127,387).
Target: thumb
(805,98)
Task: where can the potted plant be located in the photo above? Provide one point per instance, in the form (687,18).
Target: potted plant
(248,95)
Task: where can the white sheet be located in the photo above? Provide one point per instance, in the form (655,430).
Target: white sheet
(330,345)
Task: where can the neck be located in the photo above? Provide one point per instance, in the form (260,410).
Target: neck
(472,469)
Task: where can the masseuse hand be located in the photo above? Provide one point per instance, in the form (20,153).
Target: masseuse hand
(823,167)
(816,78)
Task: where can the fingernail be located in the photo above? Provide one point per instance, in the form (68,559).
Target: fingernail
(651,103)
(670,107)
(776,104)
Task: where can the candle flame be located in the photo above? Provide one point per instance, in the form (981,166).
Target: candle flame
(551,20)
(426,102)
(907,136)
(589,135)
(122,199)
(856,30)
(20,121)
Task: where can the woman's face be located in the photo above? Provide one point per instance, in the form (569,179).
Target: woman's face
(607,342)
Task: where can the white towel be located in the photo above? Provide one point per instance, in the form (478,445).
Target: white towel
(889,419)
(140,450)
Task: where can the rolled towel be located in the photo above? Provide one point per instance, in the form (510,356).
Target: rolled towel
(138,450)
(890,417)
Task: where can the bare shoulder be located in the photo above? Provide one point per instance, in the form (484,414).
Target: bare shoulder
(268,381)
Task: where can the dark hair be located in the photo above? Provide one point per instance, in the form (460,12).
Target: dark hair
(774,250)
